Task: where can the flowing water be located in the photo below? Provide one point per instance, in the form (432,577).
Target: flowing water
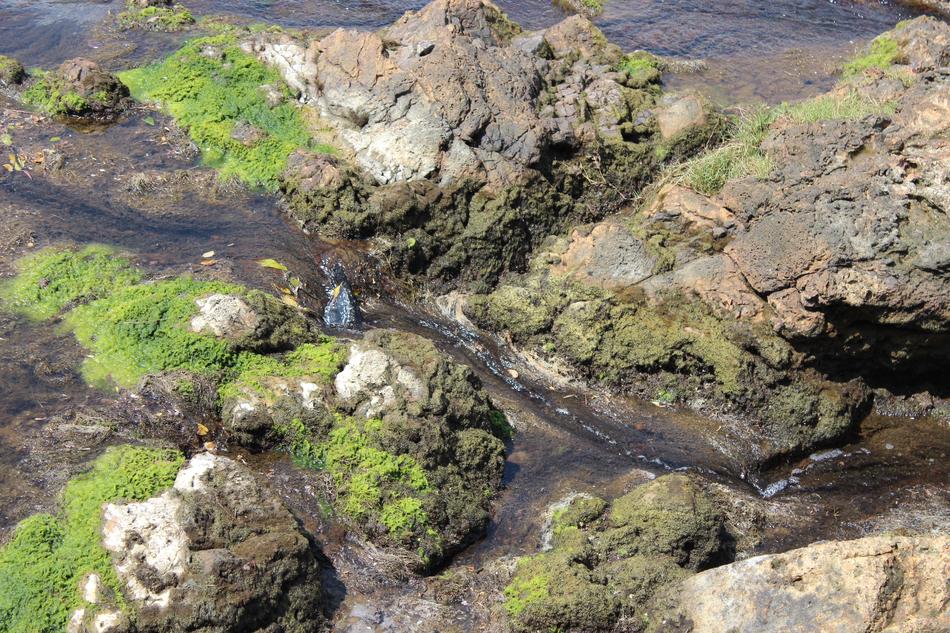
(570,438)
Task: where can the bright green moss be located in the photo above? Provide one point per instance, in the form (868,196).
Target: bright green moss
(374,487)
(53,279)
(525,590)
(213,88)
(166,19)
(49,95)
(641,68)
(42,566)
(322,360)
(882,54)
(144,328)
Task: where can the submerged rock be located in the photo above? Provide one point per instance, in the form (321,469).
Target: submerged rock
(216,551)
(341,310)
(879,583)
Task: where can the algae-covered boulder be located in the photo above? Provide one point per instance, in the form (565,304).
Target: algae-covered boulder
(216,551)
(155,15)
(54,565)
(670,516)
(466,140)
(79,87)
(607,562)
(11,71)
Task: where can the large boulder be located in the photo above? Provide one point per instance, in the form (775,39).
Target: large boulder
(218,551)
(464,139)
(879,583)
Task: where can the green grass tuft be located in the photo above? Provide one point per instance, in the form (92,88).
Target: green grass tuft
(53,279)
(738,157)
(42,566)
(210,86)
(849,106)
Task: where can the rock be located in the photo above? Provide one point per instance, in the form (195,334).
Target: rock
(607,255)
(225,316)
(458,132)
(11,71)
(879,583)
(676,115)
(217,551)
(79,87)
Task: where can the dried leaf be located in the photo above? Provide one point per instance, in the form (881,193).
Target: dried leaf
(8,166)
(211,446)
(290,301)
(286,291)
(272,263)
(202,429)
(208,262)
(6,139)
(208,254)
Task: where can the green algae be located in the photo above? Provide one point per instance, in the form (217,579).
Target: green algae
(164,19)
(641,69)
(53,279)
(881,55)
(214,90)
(144,328)
(42,566)
(321,360)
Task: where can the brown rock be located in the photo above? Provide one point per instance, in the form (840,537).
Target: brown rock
(885,584)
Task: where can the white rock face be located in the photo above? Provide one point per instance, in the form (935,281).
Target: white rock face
(375,379)
(224,315)
(159,542)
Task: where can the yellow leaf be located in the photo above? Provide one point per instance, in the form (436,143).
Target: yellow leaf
(272,263)
(8,167)
(286,291)
(290,301)
(208,254)
(336,291)
(202,429)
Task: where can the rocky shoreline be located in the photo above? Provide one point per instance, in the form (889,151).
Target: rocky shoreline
(781,272)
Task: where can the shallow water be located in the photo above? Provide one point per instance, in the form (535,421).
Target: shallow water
(769,51)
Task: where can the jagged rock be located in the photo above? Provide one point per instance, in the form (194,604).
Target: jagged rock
(607,255)
(880,583)
(458,131)
(216,552)
(676,115)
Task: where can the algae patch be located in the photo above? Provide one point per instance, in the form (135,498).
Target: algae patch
(168,19)
(53,279)
(237,110)
(42,566)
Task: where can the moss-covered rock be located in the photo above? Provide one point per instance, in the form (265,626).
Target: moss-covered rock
(11,71)
(671,517)
(47,558)
(619,337)
(161,16)
(605,569)
(79,87)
